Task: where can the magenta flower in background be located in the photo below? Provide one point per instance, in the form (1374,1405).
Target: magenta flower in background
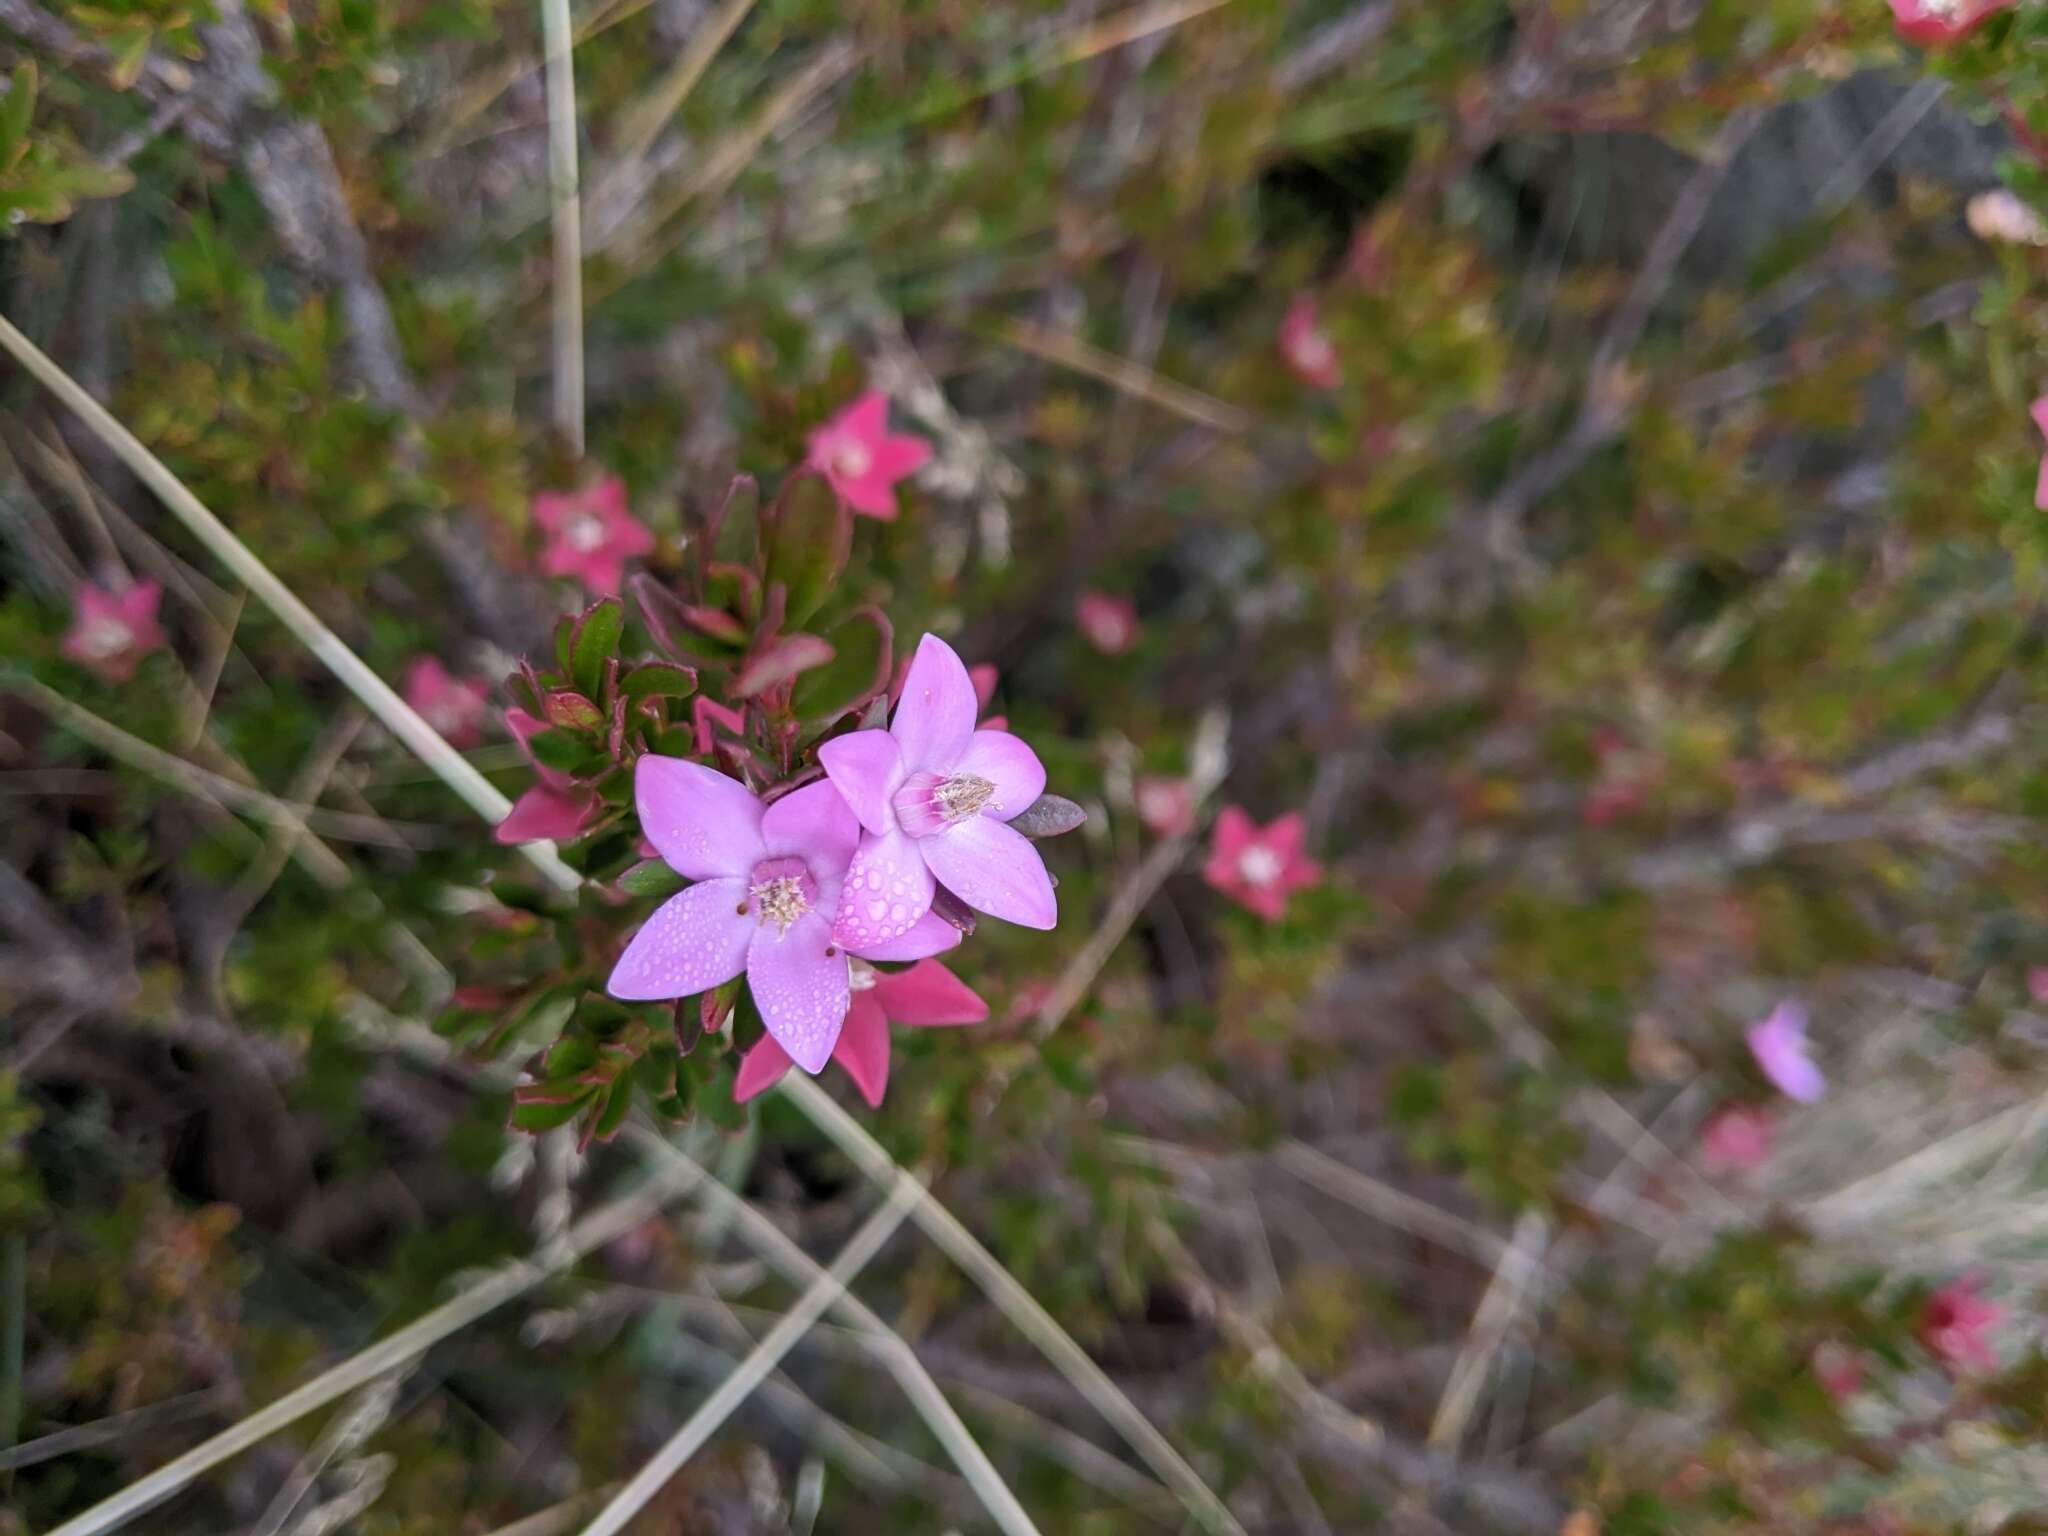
(934,795)
(1955,1324)
(768,882)
(1736,1139)
(556,808)
(1259,867)
(1937,23)
(2037,984)
(1306,347)
(2039,410)
(923,997)
(590,534)
(862,462)
(112,629)
(453,706)
(1110,624)
(1782,1052)
(1838,1369)
(1165,805)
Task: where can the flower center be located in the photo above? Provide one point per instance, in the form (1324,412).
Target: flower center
(861,976)
(584,533)
(927,802)
(781,891)
(852,460)
(104,637)
(1259,865)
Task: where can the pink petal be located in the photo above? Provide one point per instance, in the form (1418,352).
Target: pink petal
(897,458)
(2041,486)
(704,824)
(1233,833)
(607,497)
(928,995)
(138,604)
(863,1049)
(760,1069)
(546,813)
(984,679)
(994,870)
(1283,834)
(929,935)
(936,716)
(627,535)
(2039,411)
(888,891)
(1780,1048)
(696,940)
(867,769)
(1006,762)
(799,982)
(814,824)
(867,418)
(870,495)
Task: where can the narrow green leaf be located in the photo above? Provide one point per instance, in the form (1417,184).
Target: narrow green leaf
(650,877)
(858,671)
(808,536)
(597,636)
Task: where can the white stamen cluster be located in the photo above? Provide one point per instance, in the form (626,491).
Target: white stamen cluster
(781,901)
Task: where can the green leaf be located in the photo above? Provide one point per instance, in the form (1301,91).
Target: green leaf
(808,536)
(780,661)
(613,1115)
(571,711)
(16,111)
(659,680)
(734,532)
(545,1117)
(597,636)
(858,671)
(650,877)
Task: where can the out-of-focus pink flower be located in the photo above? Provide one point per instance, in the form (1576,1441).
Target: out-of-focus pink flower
(1955,1324)
(1998,217)
(2037,984)
(768,882)
(1165,805)
(1108,623)
(2039,411)
(1937,23)
(935,796)
(1838,1369)
(556,808)
(112,629)
(856,454)
(1736,1139)
(923,997)
(1781,1050)
(1306,347)
(1259,867)
(590,534)
(453,706)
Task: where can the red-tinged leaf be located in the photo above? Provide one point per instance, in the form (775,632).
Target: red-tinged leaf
(706,712)
(659,679)
(730,532)
(660,610)
(779,662)
(806,538)
(716,623)
(571,711)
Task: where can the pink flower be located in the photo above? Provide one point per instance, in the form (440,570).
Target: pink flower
(1110,624)
(1937,23)
(922,997)
(2037,983)
(453,706)
(590,534)
(1306,347)
(113,629)
(2039,410)
(1166,806)
(1781,1050)
(934,794)
(1954,1325)
(556,808)
(768,881)
(1259,867)
(1736,1140)
(1838,1369)
(856,454)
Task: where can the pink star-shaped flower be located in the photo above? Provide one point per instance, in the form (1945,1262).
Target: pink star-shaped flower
(1937,23)
(1736,1140)
(112,629)
(556,808)
(934,795)
(768,883)
(1955,1326)
(453,706)
(1165,805)
(923,997)
(1259,867)
(1306,347)
(1783,1054)
(1110,624)
(2039,411)
(590,534)
(856,454)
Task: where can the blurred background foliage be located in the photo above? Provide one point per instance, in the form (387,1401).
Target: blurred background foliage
(1647,624)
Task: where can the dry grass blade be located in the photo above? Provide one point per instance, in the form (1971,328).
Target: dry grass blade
(566,203)
(592,1232)
(378,696)
(1121,373)
(644,121)
(1490,1323)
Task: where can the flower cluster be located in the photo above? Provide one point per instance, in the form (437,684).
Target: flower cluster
(807,892)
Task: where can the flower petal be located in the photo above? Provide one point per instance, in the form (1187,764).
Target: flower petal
(870,494)
(936,715)
(815,824)
(696,940)
(704,824)
(863,1049)
(799,982)
(1006,762)
(898,457)
(547,814)
(867,418)
(760,1069)
(888,889)
(994,870)
(928,995)
(929,935)
(867,768)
